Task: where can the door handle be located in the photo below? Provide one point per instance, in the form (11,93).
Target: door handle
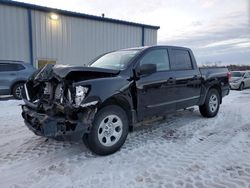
(171,81)
(195,76)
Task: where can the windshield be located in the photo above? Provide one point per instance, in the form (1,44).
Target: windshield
(237,74)
(118,60)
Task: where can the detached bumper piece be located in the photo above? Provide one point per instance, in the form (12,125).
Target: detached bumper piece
(51,126)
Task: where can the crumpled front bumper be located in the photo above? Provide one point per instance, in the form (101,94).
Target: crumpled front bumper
(51,126)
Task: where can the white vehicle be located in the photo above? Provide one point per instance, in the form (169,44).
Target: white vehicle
(240,80)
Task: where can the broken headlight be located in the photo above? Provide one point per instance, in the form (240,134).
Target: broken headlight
(47,89)
(59,92)
(80,94)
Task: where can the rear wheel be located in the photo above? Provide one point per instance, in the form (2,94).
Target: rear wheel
(109,130)
(17,91)
(212,104)
(241,86)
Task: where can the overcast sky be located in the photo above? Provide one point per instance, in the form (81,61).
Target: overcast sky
(216,30)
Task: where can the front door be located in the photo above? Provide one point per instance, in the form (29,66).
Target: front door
(155,92)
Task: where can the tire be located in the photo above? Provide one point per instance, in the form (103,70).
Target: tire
(109,130)
(17,91)
(242,86)
(212,104)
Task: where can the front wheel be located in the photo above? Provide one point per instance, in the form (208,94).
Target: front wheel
(212,104)
(109,130)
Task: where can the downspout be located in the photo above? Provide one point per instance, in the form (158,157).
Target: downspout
(30,36)
(143,36)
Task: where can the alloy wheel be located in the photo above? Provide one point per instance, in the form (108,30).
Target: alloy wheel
(110,130)
(18,91)
(213,103)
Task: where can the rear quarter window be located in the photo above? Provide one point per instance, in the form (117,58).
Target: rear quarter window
(181,60)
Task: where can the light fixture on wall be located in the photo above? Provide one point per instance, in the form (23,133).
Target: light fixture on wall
(54,16)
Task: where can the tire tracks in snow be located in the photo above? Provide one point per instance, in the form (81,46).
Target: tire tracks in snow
(185,150)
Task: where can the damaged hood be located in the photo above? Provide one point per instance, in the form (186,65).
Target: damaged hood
(62,71)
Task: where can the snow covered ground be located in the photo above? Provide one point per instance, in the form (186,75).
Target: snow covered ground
(185,150)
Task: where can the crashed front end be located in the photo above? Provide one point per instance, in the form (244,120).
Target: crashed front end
(56,106)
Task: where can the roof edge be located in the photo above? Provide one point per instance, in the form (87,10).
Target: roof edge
(74,14)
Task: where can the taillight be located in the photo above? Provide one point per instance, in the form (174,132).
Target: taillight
(229,76)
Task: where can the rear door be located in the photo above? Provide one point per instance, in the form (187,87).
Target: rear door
(155,92)
(187,75)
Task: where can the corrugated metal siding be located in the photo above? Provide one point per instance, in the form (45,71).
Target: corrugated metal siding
(14,39)
(68,40)
(76,41)
(150,37)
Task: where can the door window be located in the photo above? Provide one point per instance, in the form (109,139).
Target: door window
(158,57)
(181,60)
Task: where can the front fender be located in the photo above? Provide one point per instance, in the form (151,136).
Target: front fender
(102,89)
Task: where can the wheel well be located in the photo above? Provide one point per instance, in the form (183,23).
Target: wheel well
(242,83)
(13,85)
(122,103)
(218,88)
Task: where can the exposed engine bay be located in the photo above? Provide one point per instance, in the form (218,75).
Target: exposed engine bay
(54,100)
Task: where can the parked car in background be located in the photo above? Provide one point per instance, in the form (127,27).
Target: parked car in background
(240,80)
(13,74)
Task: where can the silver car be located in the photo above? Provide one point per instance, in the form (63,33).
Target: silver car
(13,74)
(240,80)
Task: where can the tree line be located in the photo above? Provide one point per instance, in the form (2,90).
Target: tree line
(230,67)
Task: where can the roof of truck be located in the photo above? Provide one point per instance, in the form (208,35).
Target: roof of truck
(155,46)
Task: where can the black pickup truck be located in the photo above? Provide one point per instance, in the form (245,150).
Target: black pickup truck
(103,100)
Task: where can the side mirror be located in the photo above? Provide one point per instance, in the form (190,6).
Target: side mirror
(147,69)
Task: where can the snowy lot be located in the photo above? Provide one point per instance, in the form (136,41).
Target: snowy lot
(185,150)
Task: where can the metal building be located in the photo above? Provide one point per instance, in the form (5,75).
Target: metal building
(41,35)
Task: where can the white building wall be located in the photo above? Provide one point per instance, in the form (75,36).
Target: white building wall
(14,39)
(76,41)
(150,36)
(68,40)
